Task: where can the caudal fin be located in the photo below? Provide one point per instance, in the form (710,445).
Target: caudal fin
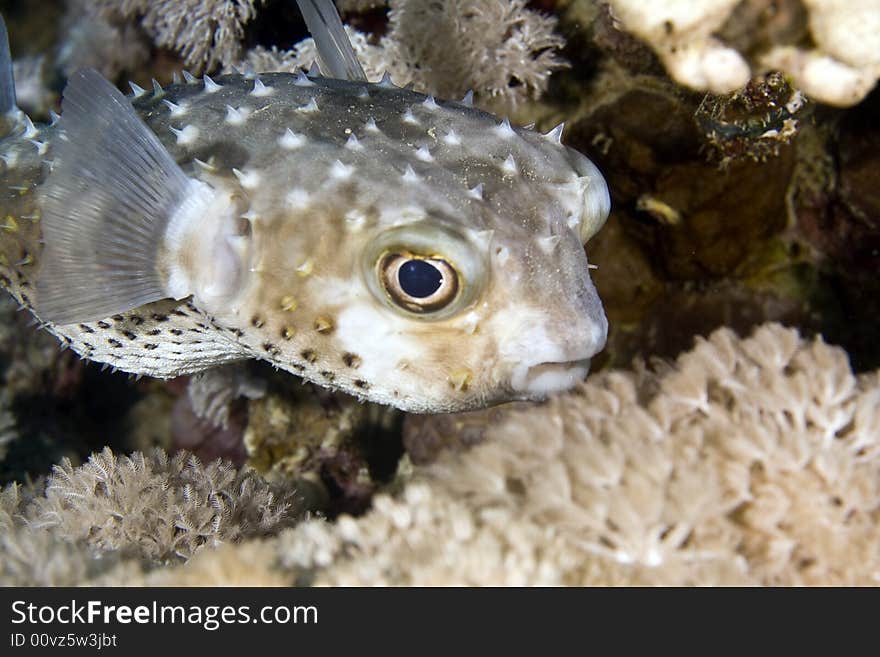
(108,201)
(7,82)
(337,55)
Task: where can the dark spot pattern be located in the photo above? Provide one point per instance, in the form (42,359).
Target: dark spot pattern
(351,360)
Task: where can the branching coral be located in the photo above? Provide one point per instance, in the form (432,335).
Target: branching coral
(500,49)
(205,32)
(153,508)
(33,557)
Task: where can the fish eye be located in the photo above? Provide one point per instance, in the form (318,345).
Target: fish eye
(417,283)
(424,271)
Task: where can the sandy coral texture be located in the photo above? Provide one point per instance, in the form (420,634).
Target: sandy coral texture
(748,461)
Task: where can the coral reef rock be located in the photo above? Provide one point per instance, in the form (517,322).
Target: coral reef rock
(840,68)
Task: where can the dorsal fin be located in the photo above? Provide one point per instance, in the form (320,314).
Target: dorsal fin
(338,59)
(7,81)
(107,203)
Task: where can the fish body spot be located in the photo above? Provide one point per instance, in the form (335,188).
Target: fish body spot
(324,325)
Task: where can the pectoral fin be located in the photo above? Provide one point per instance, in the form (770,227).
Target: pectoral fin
(106,205)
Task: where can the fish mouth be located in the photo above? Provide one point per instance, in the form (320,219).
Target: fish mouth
(542,379)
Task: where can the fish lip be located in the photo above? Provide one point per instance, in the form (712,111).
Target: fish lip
(534,381)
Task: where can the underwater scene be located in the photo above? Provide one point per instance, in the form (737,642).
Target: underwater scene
(461,292)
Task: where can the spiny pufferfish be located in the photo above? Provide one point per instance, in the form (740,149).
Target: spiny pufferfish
(411,251)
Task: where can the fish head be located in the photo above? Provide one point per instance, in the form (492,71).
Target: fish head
(428,291)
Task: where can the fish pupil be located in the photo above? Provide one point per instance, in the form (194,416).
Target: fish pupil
(419,279)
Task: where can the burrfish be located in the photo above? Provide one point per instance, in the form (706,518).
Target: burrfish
(408,250)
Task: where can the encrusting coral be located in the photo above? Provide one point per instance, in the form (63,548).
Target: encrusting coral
(681,32)
(841,67)
(845,63)
(748,461)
